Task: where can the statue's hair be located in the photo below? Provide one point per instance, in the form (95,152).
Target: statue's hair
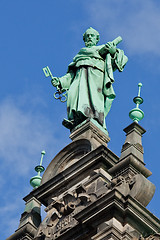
(95,31)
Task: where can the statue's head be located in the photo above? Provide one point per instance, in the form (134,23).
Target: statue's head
(91,37)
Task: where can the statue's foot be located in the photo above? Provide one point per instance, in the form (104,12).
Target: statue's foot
(68,123)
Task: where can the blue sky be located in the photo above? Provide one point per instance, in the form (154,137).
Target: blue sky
(37,33)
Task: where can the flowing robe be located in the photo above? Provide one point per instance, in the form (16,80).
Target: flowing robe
(89,83)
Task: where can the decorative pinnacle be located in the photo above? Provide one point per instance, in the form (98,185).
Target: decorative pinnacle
(139,90)
(136,114)
(36,180)
(42,155)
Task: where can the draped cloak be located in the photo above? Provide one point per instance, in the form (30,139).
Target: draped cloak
(89,83)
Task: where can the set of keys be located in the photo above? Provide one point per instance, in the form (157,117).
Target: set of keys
(62,96)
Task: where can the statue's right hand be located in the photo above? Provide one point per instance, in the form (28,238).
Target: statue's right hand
(55,81)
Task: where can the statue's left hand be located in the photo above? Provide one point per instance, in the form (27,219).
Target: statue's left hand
(111,48)
(55,81)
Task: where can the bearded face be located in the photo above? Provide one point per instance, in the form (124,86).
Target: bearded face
(91,37)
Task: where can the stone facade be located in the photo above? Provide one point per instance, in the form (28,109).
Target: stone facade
(90,193)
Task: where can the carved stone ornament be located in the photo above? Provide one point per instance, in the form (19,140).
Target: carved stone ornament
(60,213)
(155,236)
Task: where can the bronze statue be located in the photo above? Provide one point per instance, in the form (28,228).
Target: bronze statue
(89,80)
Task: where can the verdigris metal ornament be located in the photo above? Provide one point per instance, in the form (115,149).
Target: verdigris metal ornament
(136,114)
(36,180)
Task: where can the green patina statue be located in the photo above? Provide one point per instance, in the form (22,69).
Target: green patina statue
(89,80)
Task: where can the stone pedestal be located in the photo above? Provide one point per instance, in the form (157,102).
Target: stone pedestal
(133,142)
(91,131)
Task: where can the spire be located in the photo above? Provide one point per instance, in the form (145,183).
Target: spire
(36,180)
(136,114)
(134,132)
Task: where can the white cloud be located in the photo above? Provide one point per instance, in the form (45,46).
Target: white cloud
(24,133)
(10,212)
(28,126)
(136,21)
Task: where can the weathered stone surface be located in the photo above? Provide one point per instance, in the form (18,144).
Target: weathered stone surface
(32,213)
(66,157)
(133,142)
(155,236)
(99,200)
(132,167)
(29,222)
(142,190)
(78,173)
(97,135)
(93,195)
(60,213)
(27,232)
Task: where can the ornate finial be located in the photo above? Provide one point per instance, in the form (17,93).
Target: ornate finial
(136,114)
(36,180)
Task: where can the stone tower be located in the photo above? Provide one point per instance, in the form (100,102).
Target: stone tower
(90,193)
